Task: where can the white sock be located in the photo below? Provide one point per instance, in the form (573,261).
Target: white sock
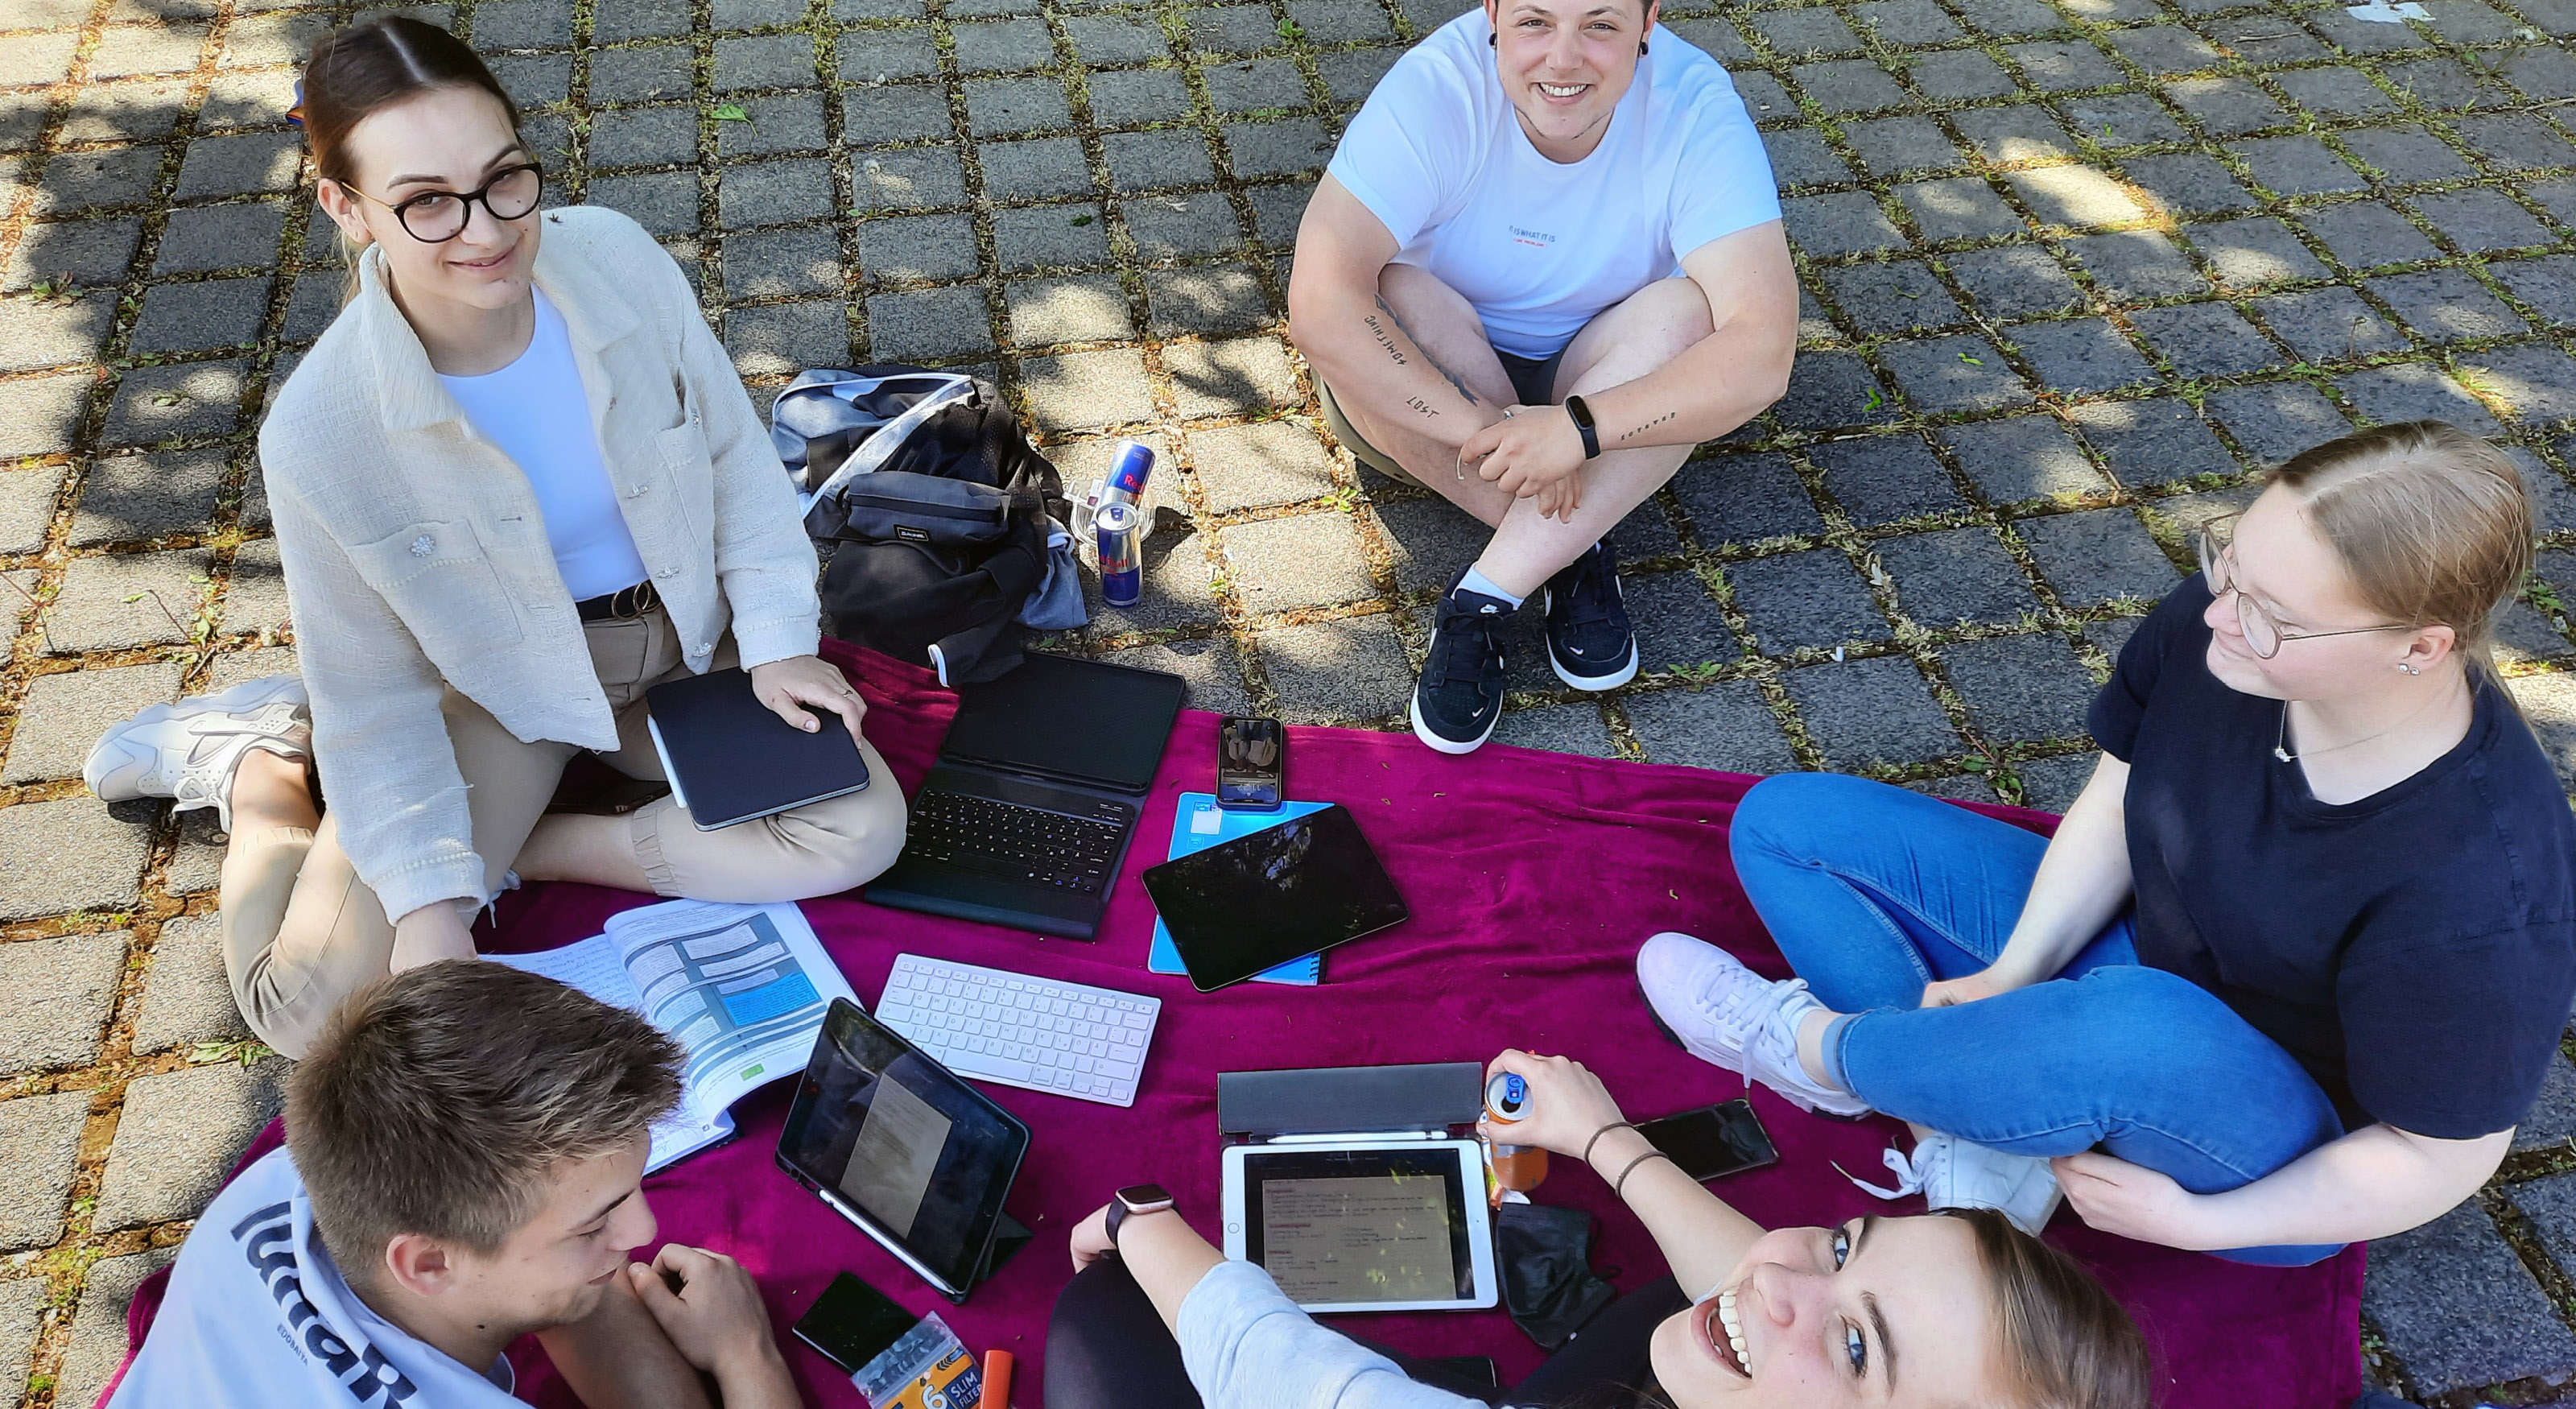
(1476,581)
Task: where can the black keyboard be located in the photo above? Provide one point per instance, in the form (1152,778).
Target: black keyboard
(1006,839)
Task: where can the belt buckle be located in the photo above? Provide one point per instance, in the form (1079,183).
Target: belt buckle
(631,602)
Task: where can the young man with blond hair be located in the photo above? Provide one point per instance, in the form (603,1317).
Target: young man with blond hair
(464,1156)
(1545,262)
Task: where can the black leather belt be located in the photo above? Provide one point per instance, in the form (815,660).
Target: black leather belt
(624,604)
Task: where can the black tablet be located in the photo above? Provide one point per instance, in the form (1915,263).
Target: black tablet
(1282,893)
(900,1146)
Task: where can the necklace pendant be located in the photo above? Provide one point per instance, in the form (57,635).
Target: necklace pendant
(2281,754)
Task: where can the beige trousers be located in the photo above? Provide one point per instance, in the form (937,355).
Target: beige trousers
(300,931)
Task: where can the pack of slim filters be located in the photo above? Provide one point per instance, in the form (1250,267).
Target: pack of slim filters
(898,1360)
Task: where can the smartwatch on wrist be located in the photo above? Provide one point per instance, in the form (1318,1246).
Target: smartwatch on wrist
(1582,415)
(1135,1198)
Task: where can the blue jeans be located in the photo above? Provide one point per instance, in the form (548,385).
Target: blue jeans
(1873,891)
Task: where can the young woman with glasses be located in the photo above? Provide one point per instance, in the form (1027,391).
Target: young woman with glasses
(515,483)
(2297,959)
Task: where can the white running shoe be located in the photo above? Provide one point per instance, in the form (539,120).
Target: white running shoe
(187,751)
(1726,1014)
(1953,1173)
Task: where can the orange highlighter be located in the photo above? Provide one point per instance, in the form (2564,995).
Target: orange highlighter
(997,1379)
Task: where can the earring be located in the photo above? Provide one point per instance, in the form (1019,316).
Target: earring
(2401,665)
(1493,43)
(1641,48)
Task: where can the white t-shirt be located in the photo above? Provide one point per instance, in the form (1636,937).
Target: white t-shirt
(1540,247)
(257,1316)
(535,410)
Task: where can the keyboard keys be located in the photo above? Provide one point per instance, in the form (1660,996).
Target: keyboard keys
(993,1025)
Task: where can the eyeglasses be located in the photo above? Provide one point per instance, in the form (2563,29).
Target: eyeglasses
(2261,632)
(435,217)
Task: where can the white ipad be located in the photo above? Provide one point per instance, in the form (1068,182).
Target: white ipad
(1365,1225)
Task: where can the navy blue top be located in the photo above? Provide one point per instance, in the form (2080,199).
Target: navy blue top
(2415,950)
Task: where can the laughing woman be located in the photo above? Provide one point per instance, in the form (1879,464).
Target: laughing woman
(516,484)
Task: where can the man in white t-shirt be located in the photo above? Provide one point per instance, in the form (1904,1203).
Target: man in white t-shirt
(465,1149)
(1545,262)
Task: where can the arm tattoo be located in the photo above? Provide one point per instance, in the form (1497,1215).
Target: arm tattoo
(1384,340)
(1650,425)
(1418,404)
(1378,331)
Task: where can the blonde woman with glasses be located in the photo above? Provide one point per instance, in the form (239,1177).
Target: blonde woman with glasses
(2296,961)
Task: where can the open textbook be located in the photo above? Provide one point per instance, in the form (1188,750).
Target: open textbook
(742,987)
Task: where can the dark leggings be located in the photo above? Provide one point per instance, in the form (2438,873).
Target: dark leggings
(1107,1348)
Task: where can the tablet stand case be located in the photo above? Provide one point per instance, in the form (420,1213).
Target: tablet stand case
(1430,1097)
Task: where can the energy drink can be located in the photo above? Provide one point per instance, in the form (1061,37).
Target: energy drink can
(1129,468)
(1519,1168)
(1117,526)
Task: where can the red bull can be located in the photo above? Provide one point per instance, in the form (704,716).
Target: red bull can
(1119,529)
(1129,468)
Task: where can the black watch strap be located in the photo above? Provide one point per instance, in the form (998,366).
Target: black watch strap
(1582,416)
(1135,1198)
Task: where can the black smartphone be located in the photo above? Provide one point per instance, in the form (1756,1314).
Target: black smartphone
(1251,763)
(1713,1141)
(852,1323)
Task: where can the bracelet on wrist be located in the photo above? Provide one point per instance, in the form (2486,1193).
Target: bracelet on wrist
(1604,1130)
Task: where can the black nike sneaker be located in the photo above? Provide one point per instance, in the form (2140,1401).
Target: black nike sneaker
(1590,644)
(1460,696)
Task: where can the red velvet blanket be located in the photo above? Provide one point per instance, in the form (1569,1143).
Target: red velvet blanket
(1532,878)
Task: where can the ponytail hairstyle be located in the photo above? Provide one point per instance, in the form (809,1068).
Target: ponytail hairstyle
(2433,524)
(356,72)
(2064,1341)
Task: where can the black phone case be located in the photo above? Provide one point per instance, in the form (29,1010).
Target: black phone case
(1739,1104)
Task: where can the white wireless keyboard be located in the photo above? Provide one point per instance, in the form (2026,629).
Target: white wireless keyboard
(995,1025)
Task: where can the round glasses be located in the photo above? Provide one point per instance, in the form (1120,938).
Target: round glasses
(435,217)
(2262,632)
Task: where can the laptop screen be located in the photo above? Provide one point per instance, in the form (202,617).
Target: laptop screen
(1072,719)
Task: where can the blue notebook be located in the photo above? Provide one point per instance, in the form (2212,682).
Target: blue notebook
(1198,824)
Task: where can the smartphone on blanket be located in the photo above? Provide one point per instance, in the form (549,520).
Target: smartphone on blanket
(1713,1141)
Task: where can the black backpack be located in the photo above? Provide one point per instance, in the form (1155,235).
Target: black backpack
(932,505)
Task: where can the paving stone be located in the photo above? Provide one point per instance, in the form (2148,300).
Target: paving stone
(1284,148)
(1311,560)
(52,333)
(771,61)
(535,81)
(1105,39)
(1899,296)
(1907,22)
(2550,1121)
(2277,420)
(2406,155)
(1744,499)
(2059,65)
(63,986)
(2122,120)
(86,253)
(1955,576)
(77,181)
(2328,325)
(932,323)
(910,180)
(219,313)
(1087,308)
(1213,677)
(1881,479)
(39,1143)
(1254,85)
(2553,503)
(772,193)
(1211,299)
(2457,1307)
(789,122)
(2188,183)
(2096,556)
(2549,702)
(1810,598)
(2020,688)
(2514,142)
(1833,389)
(1963,787)
(1961,208)
(1238,29)
(879,55)
(1180,585)
(2024,457)
(2415,392)
(36,58)
(39,415)
(177,1136)
(1764,97)
(918,248)
(1173,227)
(2111,636)
(98,1327)
(2205,340)
(1229,376)
(2017,281)
(1142,161)
(93,612)
(1961,75)
(639,75)
(1430,541)
(2153,441)
(129,112)
(2535,382)
(124,52)
(1337,671)
(1087,390)
(2027,132)
(1954,374)
(2254,252)
(1567,728)
(2226,107)
(1849,86)
(1898,145)
(2544,73)
(2136,264)
(2546,286)
(1339,21)
(2482,221)
(2051,784)
(783,264)
(63,856)
(1678,622)
(27,495)
(187,999)
(1260,465)
(2165,49)
(1805,33)
(2366,234)
(665,203)
(220,237)
(1847,223)
(2075,196)
(645,137)
(1124,96)
(1725,726)
(62,715)
(1016,105)
(1870,711)
(2081,355)
(2446,306)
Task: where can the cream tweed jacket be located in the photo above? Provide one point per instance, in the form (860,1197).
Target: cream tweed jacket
(416,557)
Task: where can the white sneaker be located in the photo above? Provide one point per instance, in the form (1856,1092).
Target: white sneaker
(1726,1014)
(187,751)
(1953,1173)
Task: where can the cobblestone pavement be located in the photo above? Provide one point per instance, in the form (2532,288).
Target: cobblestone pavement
(2071,269)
